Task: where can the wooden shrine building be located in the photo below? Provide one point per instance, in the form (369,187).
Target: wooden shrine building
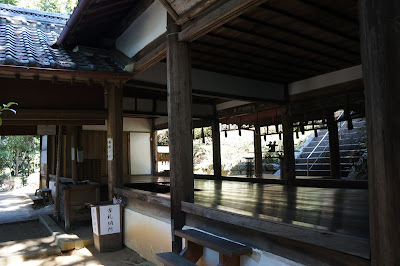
(114,72)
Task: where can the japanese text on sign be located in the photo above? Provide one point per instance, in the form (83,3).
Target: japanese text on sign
(110,152)
(109,219)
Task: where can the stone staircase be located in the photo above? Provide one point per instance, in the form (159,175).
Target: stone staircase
(319,162)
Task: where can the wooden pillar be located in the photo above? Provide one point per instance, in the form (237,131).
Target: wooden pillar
(288,172)
(114,137)
(334,151)
(257,151)
(58,171)
(179,86)
(216,140)
(154,146)
(380,56)
(74,149)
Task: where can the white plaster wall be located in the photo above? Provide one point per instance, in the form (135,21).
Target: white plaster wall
(137,124)
(146,235)
(129,124)
(145,29)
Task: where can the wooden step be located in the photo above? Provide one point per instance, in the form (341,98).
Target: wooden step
(220,245)
(172,259)
(36,198)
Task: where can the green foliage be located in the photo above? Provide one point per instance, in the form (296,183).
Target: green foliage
(56,6)
(10,2)
(6,107)
(20,154)
(162,137)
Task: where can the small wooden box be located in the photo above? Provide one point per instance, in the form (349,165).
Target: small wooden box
(110,241)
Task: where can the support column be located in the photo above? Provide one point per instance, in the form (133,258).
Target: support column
(114,138)
(380,56)
(334,151)
(58,170)
(74,147)
(257,152)
(179,85)
(216,140)
(288,172)
(154,146)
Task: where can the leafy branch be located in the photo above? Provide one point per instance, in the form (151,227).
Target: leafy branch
(6,107)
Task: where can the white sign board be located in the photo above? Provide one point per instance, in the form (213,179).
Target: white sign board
(43,130)
(110,153)
(95,224)
(110,219)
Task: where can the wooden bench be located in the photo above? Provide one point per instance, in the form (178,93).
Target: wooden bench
(172,259)
(37,200)
(229,252)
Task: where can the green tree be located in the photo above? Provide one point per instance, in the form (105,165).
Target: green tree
(56,6)
(20,154)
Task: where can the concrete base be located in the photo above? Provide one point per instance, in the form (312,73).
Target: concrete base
(63,240)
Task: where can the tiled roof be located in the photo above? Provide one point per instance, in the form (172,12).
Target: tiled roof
(27,36)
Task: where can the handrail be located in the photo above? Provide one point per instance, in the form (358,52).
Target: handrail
(327,132)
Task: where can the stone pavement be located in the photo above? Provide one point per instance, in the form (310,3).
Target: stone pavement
(16,206)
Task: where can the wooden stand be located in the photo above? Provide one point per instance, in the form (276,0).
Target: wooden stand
(107,243)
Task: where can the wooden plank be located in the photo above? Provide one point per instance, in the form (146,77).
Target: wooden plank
(172,259)
(220,245)
(194,11)
(334,151)
(288,171)
(216,140)
(115,134)
(179,86)
(342,243)
(380,55)
(208,22)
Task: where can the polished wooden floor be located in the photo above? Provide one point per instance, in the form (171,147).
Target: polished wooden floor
(339,210)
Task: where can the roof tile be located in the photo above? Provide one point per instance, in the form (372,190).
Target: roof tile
(27,36)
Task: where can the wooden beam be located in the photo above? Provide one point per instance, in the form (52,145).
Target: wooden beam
(212,20)
(288,172)
(334,151)
(216,140)
(169,9)
(43,114)
(114,137)
(380,56)
(179,85)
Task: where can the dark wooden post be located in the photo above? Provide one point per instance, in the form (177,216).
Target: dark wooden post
(380,55)
(154,146)
(257,151)
(180,127)
(58,170)
(74,147)
(114,137)
(334,151)
(216,140)
(288,171)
